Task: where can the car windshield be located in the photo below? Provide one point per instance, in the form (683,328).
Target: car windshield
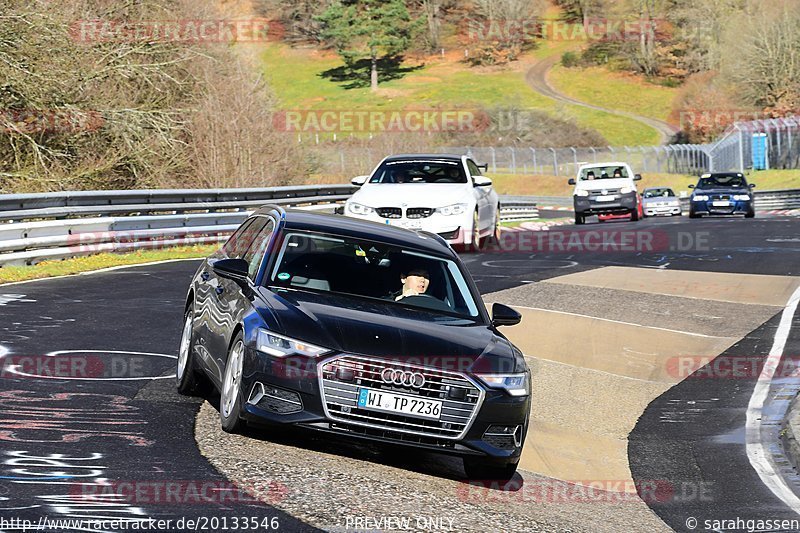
(365,269)
(658,193)
(603,172)
(420,171)
(728,180)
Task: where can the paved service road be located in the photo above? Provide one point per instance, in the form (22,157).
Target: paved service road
(600,328)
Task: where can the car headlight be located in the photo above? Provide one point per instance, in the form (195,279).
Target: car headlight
(280,346)
(359,209)
(514,384)
(742,197)
(455,209)
(626,190)
(699,198)
(581,193)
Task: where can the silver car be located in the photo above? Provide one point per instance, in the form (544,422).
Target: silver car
(658,201)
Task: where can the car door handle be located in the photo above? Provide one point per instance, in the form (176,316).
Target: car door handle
(219,290)
(205,276)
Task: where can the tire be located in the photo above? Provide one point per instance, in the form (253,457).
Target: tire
(477,469)
(692,214)
(579,219)
(635,215)
(188,379)
(230,400)
(476,232)
(494,238)
(750,214)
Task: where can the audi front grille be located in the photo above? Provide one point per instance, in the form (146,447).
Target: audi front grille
(342,377)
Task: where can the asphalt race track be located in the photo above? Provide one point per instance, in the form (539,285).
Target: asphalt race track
(108,421)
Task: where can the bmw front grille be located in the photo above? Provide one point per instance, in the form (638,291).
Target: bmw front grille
(342,377)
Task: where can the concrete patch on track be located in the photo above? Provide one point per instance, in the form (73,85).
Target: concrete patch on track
(603,344)
(736,288)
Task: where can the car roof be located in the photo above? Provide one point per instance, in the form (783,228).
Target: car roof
(297,219)
(608,164)
(439,157)
(723,174)
(658,188)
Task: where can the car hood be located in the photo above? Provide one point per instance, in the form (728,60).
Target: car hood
(412,194)
(608,183)
(723,190)
(390,331)
(671,199)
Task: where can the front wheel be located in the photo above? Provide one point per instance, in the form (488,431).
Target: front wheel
(230,401)
(476,232)
(483,470)
(494,238)
(750,214)
(579,219)
(692,214)
(187,375)
(635,215)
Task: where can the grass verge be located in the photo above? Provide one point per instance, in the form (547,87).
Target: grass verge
(531,185)
(76,265)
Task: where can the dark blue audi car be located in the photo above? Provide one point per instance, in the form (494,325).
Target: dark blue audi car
(358,329)
(725,193)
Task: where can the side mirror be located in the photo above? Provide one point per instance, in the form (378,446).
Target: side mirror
(752,185)
(691,186)
(481,181)
(358,181)
(232,268)
(637,177)
(485,167)
(571,181)
(503,315)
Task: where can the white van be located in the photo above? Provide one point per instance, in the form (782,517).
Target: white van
(606,189)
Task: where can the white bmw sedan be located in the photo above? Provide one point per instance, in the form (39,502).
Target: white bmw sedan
(443,194)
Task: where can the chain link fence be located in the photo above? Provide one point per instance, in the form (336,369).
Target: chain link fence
(776,141)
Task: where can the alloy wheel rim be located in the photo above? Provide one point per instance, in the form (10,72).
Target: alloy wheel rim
(183,354)
(233,375)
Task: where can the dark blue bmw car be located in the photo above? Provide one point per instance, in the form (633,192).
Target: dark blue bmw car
(726,193)
(358,329)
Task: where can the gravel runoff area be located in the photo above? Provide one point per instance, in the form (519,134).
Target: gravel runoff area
(339,485)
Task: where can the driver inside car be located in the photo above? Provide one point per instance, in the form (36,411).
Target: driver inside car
(415,282)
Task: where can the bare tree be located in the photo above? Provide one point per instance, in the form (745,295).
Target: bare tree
(762,55)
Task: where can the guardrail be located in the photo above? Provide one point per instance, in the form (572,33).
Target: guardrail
(36,227)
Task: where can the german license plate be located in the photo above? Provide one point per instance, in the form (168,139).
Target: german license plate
(604,198)
(389,402)
(721,203)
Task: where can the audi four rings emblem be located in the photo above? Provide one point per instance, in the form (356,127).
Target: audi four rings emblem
(404,378)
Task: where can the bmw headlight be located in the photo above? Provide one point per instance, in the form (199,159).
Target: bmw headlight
(359,209)
(699,198)
(626,190)
(280,346)
(513,384)
(742,197)
(581,193)
(455,209)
